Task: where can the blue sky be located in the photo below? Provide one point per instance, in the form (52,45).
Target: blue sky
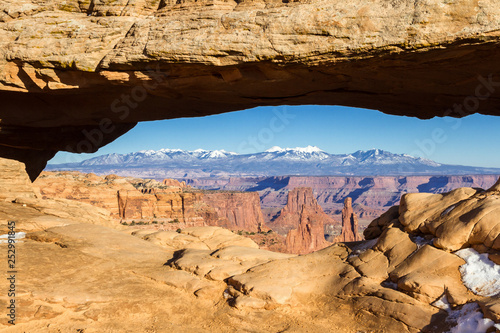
(335,129)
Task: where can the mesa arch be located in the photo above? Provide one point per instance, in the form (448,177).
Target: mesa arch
(77,74)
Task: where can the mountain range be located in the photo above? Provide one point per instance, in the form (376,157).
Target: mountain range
(276,161)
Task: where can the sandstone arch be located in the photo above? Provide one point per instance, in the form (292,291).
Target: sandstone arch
(78,74)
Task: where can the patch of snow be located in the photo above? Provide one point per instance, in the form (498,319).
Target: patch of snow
(469,319)
(146,152)
(448,210)
(216,154)
(389,284)
(308,149)
(228,152)
(168,150)
(362,247)
(442,303)
(479,273)
(421,241)
(274,149)
(18,235)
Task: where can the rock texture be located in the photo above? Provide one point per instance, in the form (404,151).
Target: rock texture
(170,202)
(14,181)
(304,219)
(235,211)
(349,231)
(309,236)
(75,75)
(371,196)
(465,217)
(158,280)
(20,203)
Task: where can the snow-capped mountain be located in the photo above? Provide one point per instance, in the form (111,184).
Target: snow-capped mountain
(378,156)
(308,153)
(275,161)
(147,157)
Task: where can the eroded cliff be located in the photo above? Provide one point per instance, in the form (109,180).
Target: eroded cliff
(417,273)
(169,202)
(303,220)
(350,231)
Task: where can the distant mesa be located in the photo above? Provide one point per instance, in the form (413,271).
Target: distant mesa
(170,204)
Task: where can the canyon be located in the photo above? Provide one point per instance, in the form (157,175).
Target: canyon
(172,205)
(168,204)
(304,220)
(350,231)
(412,274)
(371,195)
(75,75)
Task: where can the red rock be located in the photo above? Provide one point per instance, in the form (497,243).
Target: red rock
(174,183)
(309,236)
(371,195)
(289,216)
(235,211)
(349,224)
(166,202)
(306,219)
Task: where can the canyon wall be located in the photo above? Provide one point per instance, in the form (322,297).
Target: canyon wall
(169,202)
(159,206)
(235,211)
(371,196)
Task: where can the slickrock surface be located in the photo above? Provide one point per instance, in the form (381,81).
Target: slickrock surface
(461,218)
(349,231)
(75,276)
(75,75)
(304,219)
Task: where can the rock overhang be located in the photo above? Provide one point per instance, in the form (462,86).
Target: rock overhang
(77,75)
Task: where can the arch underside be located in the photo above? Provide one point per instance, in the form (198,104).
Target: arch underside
(161,63)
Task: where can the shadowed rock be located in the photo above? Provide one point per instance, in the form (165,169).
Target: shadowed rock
(76,75)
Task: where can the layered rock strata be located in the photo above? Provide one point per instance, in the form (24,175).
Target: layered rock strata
(305,220)
(235,211)
(371,196)
(407,278)
(76,75)
(349,231)
(169,201)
